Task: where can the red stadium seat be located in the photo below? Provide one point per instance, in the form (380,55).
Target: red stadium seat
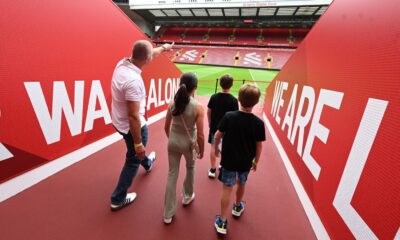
(233,36)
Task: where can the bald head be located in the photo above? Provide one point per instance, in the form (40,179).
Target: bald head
(142,50)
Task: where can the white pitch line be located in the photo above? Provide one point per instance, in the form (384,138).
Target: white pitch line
(252,78)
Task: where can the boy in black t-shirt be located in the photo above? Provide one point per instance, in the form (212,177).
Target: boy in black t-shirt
(241,149)
(219,104)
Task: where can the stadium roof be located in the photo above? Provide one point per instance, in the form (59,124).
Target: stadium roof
(174,4)
(218,12)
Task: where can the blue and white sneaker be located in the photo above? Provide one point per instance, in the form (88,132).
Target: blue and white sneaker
(212,172)
(152,157)
(237,210)
(220,225)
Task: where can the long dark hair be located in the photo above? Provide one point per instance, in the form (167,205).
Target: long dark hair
(187,83)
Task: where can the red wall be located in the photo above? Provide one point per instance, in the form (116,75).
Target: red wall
(49,46)
(347,70)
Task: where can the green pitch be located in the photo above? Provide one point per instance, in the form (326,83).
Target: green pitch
(208,74)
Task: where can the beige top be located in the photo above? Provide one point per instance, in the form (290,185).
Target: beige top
(178,135)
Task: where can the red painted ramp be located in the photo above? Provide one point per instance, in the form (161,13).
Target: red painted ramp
(335,107)
(74,204)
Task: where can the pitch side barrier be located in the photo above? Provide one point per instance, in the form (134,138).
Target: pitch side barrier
(55,85)
(333,112)
(240,81)
(227,45)
(213,65)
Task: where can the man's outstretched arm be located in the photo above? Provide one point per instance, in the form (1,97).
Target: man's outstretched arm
(165,47)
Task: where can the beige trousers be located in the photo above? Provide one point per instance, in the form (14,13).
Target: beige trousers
(175,153)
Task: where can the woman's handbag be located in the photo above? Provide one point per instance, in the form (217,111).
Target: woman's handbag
(194,145)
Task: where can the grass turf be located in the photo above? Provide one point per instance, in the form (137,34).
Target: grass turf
(208,74)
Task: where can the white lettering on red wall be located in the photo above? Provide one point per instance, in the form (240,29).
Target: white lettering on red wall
(309,116)
(50,123)
(164,94)
(4,153)
(355,164)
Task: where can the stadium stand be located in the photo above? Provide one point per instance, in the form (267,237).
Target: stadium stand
(220,35)
(238,36)
(265,48)
(195,34)
(264,58)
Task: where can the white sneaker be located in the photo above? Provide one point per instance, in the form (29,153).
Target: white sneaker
(167,220)
(152,157)
(130,197)
(211,174)
(187,201)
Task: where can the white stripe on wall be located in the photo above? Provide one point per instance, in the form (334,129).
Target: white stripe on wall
(28,179)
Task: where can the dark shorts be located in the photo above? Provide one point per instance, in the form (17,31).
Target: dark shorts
(229,178)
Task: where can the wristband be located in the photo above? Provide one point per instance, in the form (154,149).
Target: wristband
(138,144)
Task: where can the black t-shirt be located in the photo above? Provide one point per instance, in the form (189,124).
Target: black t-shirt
(220,103)
(241,132)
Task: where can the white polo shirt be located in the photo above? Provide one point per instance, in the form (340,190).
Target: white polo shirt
(126,85)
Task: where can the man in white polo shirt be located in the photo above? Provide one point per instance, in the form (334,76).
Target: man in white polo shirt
(128,116)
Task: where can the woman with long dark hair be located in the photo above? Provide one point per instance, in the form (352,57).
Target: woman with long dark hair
(183,126)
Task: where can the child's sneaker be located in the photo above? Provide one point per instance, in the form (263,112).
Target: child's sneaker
(152,158)
(220,225)
(237,210)
(211,173)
